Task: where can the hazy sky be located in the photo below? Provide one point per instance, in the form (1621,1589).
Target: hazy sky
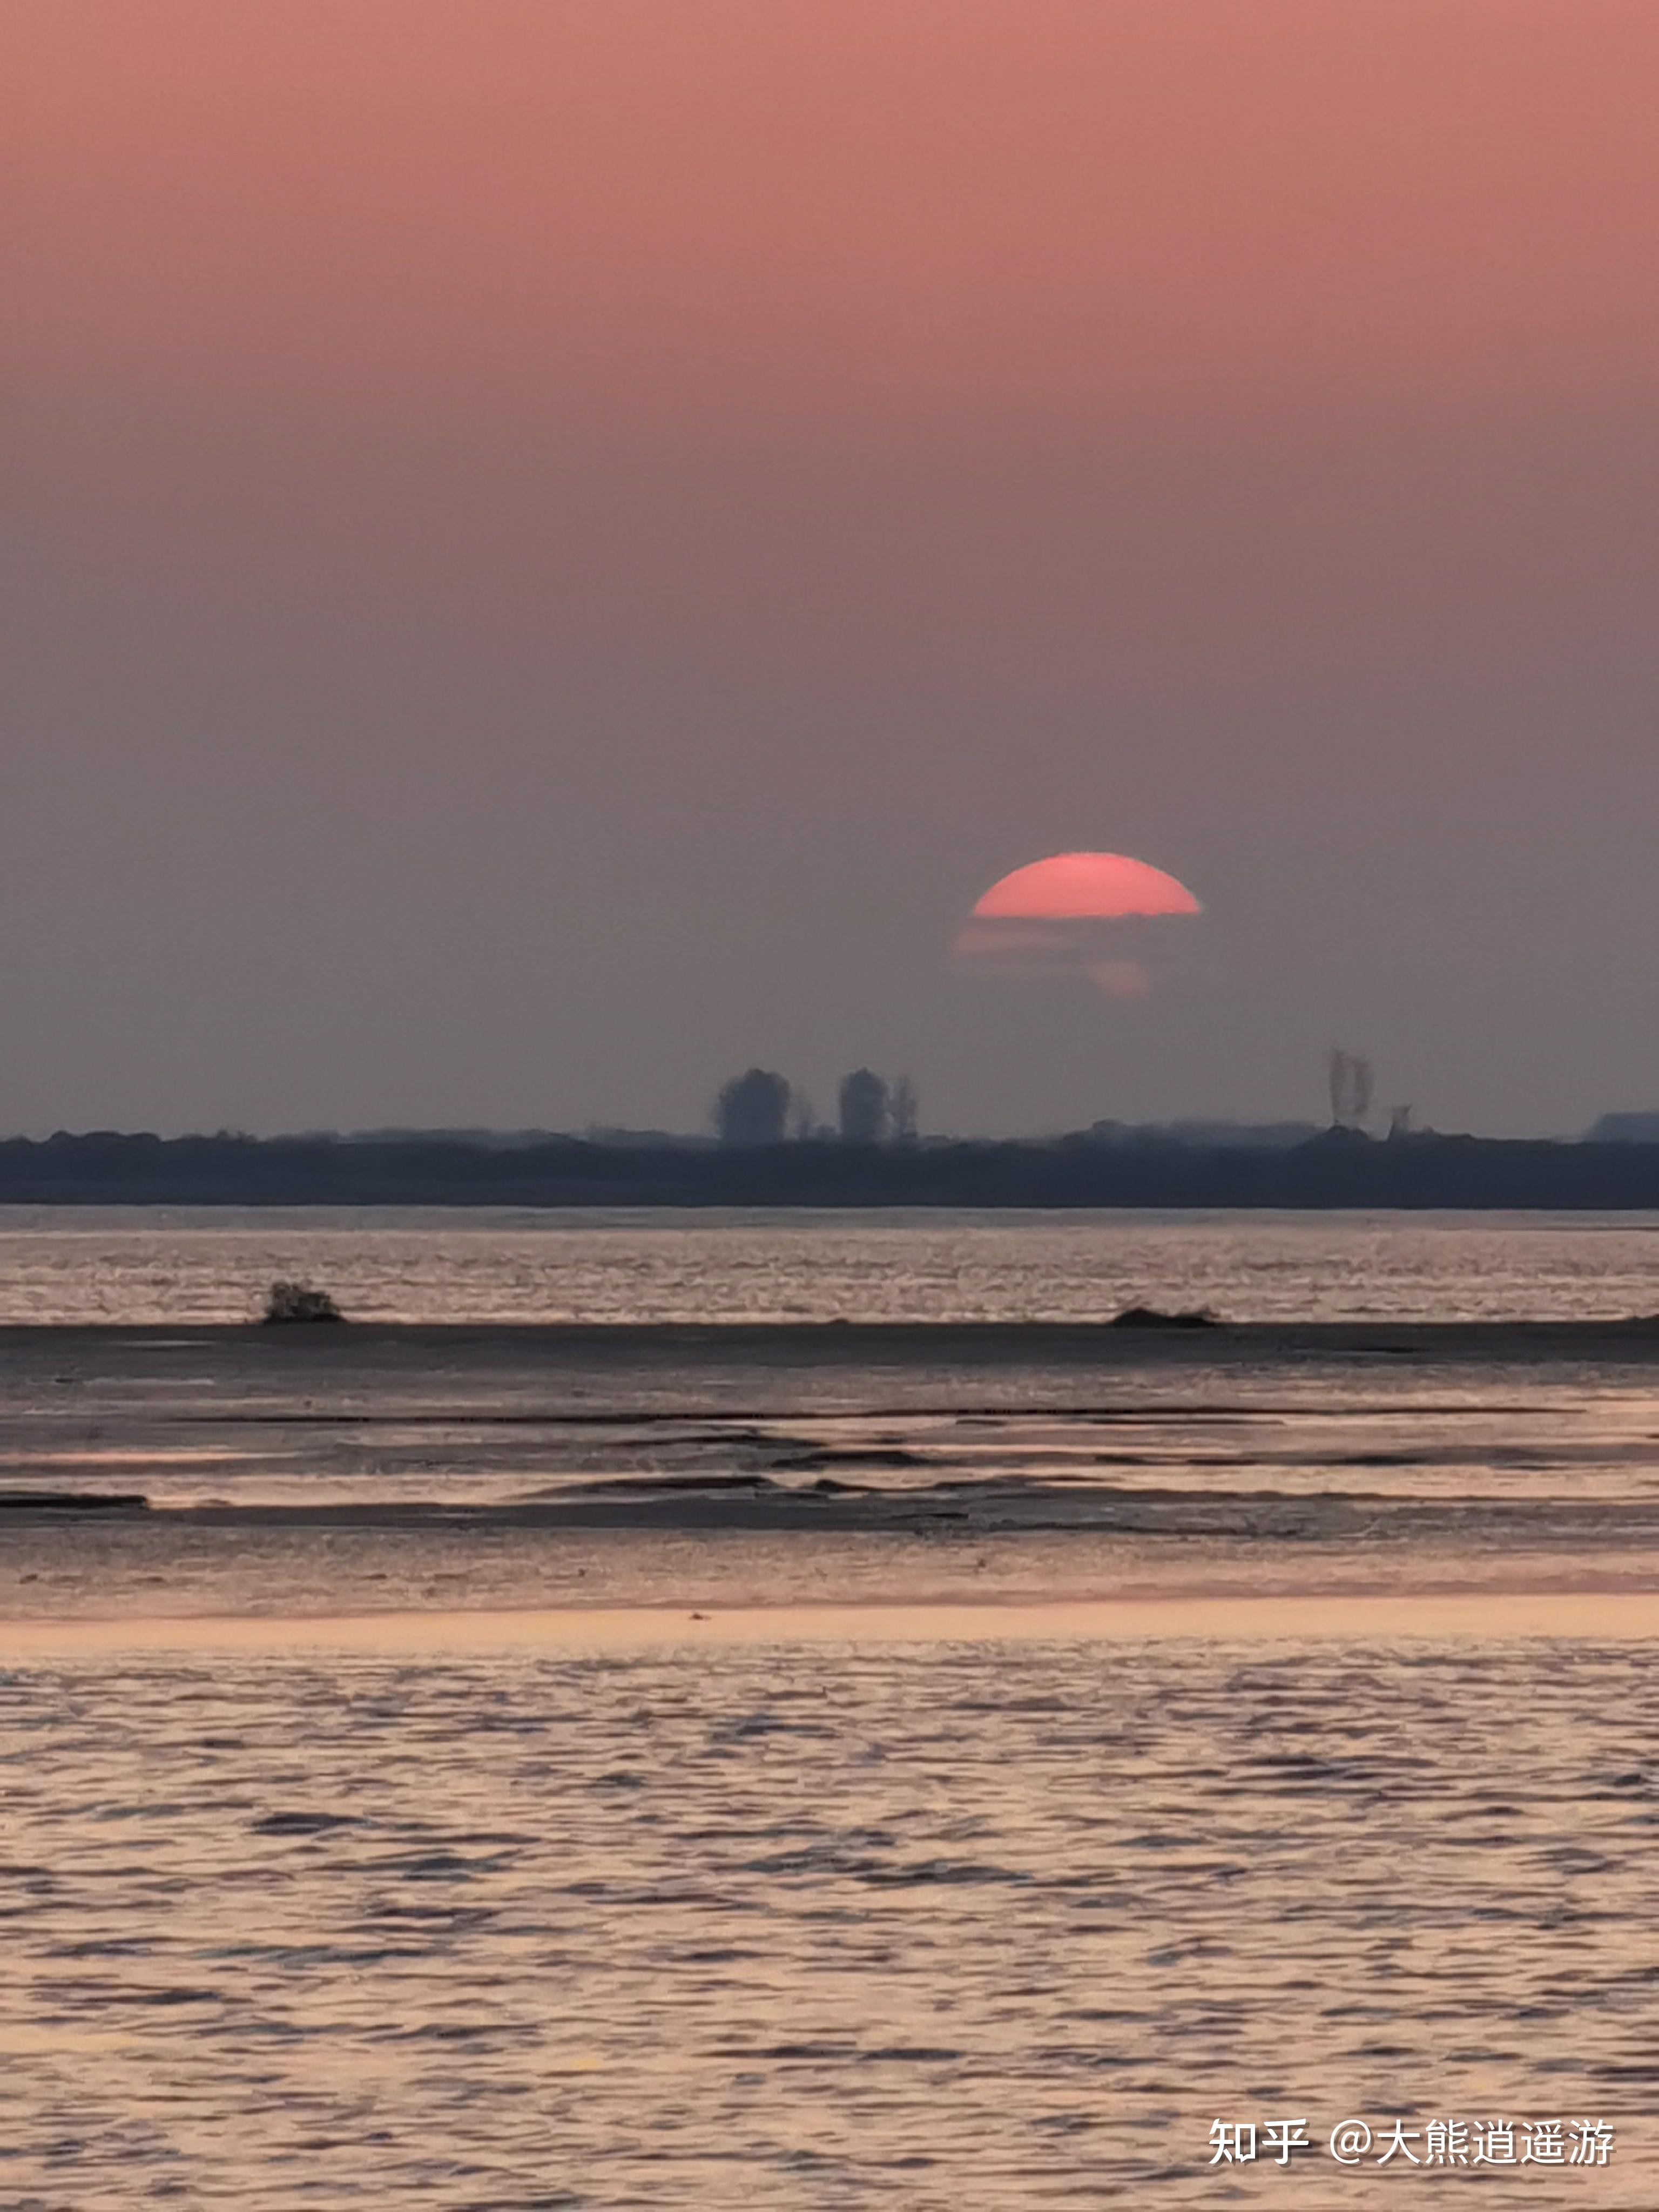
(554,546)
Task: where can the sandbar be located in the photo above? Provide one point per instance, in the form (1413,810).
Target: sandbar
(1439,1619)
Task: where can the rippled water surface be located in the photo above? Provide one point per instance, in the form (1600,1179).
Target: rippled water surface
(78,1264)
(977,1926)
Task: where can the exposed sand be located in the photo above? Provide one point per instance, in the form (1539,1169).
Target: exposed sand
(1446,1617)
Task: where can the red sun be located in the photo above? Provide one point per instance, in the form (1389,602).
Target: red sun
(1084,887)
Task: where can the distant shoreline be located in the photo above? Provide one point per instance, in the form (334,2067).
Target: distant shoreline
(1339,1170)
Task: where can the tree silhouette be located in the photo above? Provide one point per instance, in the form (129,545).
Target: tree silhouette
(753,1109)
(864,1113)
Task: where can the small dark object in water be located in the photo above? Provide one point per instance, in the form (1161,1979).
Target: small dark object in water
(1152,1317)
(300,1302)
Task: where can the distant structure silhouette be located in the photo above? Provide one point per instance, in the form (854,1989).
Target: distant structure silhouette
(901,1110)
(1625,1129)
(1352,1084)
(753,1109)
(864,1108)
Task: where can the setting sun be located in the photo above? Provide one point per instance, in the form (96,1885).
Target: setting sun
(1084,886)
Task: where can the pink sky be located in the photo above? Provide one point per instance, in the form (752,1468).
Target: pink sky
(956,210)
(617,521)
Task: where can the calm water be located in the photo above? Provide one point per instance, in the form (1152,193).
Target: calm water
(138,1265)
(980,1927)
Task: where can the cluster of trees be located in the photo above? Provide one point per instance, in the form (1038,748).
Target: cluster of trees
(761,1106)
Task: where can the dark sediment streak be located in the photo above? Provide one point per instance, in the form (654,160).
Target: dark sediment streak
(72,1501)
(871,1346)
(974,1511)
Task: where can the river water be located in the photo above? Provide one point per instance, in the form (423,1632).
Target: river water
(663,1893)
(983,1925)
(137,1265)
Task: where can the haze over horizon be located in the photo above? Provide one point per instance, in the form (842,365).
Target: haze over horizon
(558,546)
